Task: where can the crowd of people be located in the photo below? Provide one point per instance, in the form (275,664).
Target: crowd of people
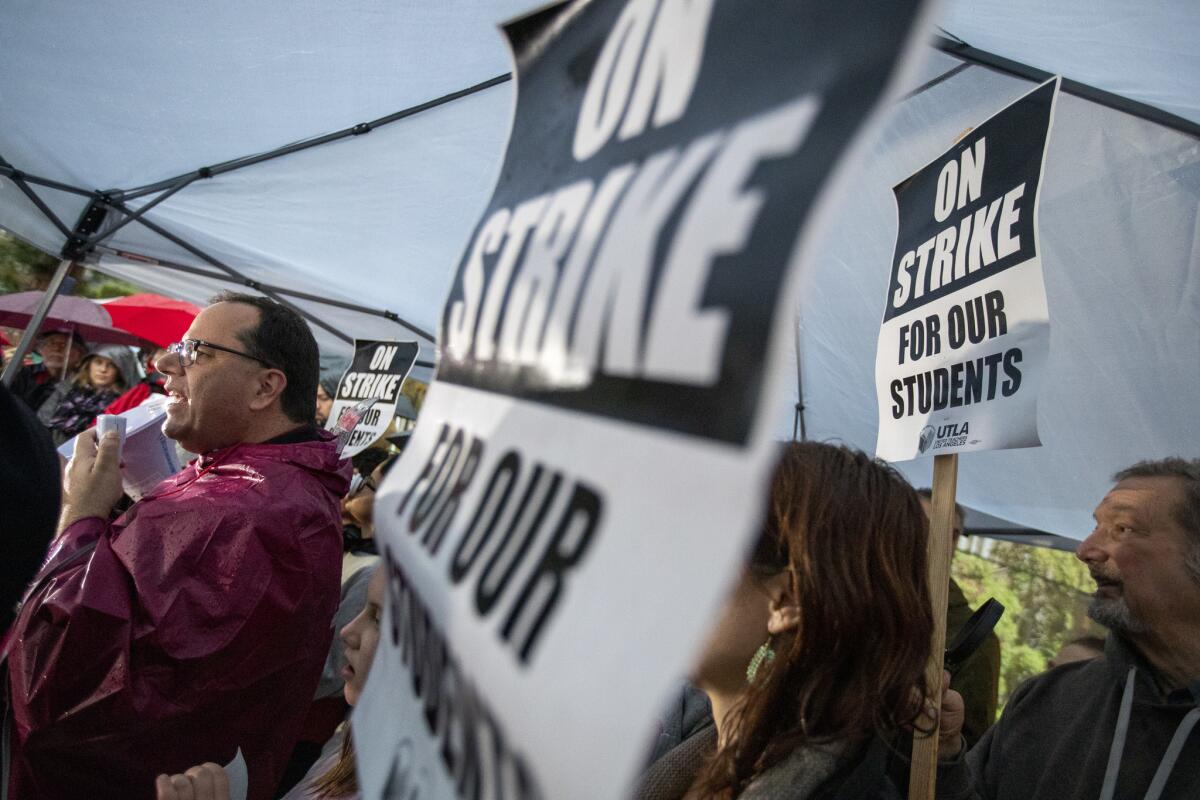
(67,384)
(186,644)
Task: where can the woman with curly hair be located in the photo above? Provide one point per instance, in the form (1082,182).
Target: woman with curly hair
(818,659)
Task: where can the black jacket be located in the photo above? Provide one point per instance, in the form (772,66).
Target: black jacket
(33,384)
(31,491)
(867,773)
(1062,730)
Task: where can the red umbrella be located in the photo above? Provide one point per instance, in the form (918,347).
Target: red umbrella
(153,317)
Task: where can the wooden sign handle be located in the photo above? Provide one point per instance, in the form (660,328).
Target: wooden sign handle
(922,781)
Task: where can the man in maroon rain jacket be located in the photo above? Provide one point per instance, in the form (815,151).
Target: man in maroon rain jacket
(197,623)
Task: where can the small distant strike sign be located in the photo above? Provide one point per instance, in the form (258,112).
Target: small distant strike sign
(377,372)
(966,332)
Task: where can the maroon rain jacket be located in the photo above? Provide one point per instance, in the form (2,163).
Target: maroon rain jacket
(194,625)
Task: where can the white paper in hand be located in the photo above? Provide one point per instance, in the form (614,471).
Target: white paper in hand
(114,423)
(148,456)
(239,777)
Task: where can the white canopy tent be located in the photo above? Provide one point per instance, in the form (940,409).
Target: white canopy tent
(180,112)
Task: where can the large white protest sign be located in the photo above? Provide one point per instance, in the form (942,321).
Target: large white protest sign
(966,332)
(376,373)
(589,467)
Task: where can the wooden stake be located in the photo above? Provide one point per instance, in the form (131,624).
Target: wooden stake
(922,780)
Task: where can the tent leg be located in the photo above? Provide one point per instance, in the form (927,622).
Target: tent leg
(35,322)
(798,420)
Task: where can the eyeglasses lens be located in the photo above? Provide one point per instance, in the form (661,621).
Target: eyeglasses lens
(185,351)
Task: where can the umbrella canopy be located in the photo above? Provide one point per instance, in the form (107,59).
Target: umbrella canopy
(153,317)
(85,317)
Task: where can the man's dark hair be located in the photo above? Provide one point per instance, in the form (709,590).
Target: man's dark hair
(283,340)
(366,461)
(1186,470)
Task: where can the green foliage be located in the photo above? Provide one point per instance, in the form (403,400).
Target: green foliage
(24,268)
(99,286)
(1045,595)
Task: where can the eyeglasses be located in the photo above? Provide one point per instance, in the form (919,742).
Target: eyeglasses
(185,351)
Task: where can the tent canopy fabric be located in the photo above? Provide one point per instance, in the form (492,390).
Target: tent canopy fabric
(363,232)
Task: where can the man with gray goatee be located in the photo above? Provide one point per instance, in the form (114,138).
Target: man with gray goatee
(1123,725)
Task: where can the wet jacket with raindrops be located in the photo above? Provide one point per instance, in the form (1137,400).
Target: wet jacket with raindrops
(194,625)
(1087,730)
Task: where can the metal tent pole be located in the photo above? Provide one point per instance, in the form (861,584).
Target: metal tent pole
(798,419)
(86,238)
(283,290)
(35,323)
(253,284)
(354,130)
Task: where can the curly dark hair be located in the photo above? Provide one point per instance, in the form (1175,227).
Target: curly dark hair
(851,534)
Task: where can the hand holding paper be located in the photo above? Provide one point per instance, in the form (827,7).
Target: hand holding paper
(205,782)
(147,456)
(92,485)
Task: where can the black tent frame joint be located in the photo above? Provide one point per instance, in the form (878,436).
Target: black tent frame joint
(79,242)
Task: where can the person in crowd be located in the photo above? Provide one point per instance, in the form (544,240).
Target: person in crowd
(73,405)
(1123,724)
(358,561)
(197,622)
(366,461)
(1084,648)
(332,368)
(978,680)
(324,404)
(333,776)
(358,511)
(153,383)
(29,484)
(819,655)
(60,351)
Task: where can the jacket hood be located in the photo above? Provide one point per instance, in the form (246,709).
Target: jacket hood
(120,355)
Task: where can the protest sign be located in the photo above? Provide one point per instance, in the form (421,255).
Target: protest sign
(376,373)
(966,332)
(590,464)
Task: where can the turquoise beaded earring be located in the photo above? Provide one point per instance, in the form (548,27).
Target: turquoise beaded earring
(764,655)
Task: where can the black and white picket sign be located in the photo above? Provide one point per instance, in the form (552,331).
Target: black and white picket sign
(590,463)
(966,331)
(377,372)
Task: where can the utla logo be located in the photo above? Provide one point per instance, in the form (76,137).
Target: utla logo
(950,434)
(953,429)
